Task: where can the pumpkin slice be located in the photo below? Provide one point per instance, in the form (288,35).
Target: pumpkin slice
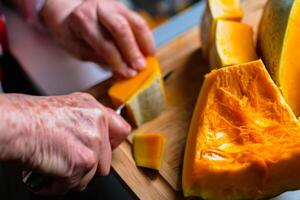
(243,142)
(148,150)
(215,10)
(278,43)
(233,44)
(143,94)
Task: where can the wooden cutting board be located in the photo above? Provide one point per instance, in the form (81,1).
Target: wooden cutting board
(183,57)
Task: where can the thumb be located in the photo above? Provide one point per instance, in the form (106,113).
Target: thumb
(119,129)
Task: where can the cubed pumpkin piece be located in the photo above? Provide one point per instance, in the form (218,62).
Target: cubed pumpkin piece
(233,44)
(143,94)
(216,10)
(148,150)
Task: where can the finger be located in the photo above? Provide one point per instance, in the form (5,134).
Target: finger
(104,150)
(141,32)
(79,48)
(86,179)
(123,69)
(121,31)
(105,159)
(103,47)
(119,129)
(85,52)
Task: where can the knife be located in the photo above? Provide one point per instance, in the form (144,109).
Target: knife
(36,181)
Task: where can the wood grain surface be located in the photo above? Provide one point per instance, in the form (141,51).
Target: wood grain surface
(183,57)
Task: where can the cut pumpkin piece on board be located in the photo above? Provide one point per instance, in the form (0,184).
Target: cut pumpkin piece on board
(243,141)
(233,44)
(143,95)
(216,10)
(148,150)
(278,44)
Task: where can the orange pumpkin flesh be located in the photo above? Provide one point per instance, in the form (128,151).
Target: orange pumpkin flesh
(123,90)
(233,44)
(143,94)
(148,150)
(216,10)
(243,141)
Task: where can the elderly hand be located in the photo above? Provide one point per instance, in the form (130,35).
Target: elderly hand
(67,137)
(103,31)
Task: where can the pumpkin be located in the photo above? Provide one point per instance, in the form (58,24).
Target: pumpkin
(215,10)
(243,141)
(278,42)
(143,94)
(233,44)
(148,150)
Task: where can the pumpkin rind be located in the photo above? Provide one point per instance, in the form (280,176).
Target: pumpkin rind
(278,42)
(243,139)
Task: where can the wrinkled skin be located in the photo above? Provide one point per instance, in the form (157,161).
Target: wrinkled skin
(67,137)
(103,31)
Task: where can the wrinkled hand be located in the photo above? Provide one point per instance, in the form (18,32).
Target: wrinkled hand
(103,31)
(66,137)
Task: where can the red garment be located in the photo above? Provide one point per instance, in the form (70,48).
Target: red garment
(3,40)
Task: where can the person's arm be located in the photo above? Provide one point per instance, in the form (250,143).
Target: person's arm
(68,137)
(11,118)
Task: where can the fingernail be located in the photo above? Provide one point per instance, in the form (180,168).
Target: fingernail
(131,72)
(125,72)
(139,64)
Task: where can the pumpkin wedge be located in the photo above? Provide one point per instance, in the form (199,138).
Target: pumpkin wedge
(233,44)
(148,149)
(143,94)
(243,141)
(215,10)
(278,44)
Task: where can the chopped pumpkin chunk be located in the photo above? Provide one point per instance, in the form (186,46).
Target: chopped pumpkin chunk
(148,150)
(143,94)
(216,10)
(243,141)
(233,44)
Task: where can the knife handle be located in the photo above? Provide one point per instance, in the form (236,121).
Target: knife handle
(36,181)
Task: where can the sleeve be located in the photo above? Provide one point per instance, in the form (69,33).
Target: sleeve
(30,9)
